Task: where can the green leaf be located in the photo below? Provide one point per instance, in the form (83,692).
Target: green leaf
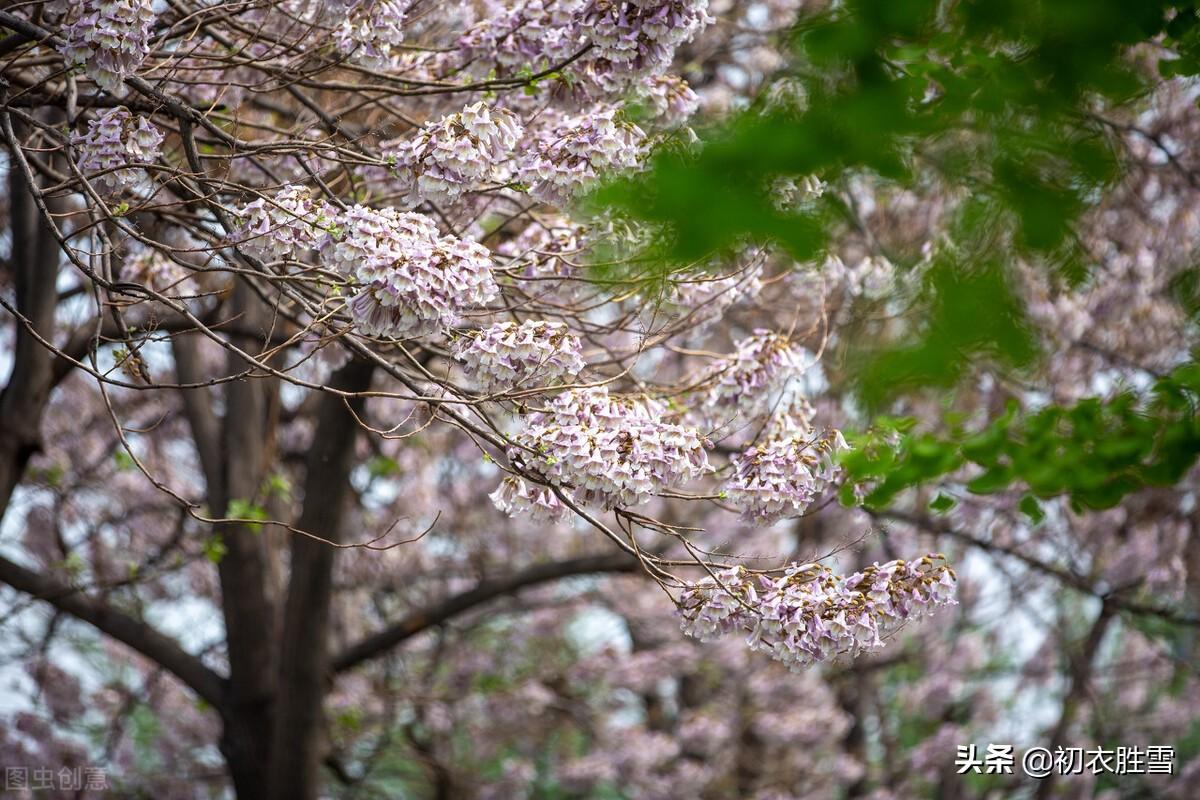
(1031,508)
(241,509)
(942,503)
(278,485)
(214,548)
(382,467)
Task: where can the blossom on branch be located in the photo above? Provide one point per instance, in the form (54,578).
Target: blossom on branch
(780,478)
(670,99)
(811,614)
(110,38)
(640,37)
(610,450)
(285,226)
(540,33)
(509,356)
(460,152)
(516,496)
(577,150)
(750,381)
(371,32)
(115,143)
(410,279)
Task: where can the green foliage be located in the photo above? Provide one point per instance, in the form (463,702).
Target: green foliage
(1094,452)
(967,311)
(993,94)
(214,548)
(50,476)
(242,509)
(74,566)
(382,467)
(998,103)
(123,460)
(145,728)
(277,485)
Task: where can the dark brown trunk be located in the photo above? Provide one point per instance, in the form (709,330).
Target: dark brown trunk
(35,259)
(298,746)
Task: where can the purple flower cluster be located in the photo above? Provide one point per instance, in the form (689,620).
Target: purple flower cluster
(789,192)
(611,450)
(781,478)
(280,228)
(639,37)
(110,38)
(578,149)
(537,34)
(670,99)
(507,356)
(811,614)
(516,496)
(749,381)
(371,33)
(412,280)
(114,144)
(459,152)
(629,40)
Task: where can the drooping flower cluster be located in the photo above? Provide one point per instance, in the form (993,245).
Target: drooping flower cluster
(114,144)
(516,496)
(459,152)
(640,37)
(789,192)
(508,356)
(610,450)
(110,38)
(411,279)
(620,42)
(290,223)
(670,99)
(780,478)
(750,380)
(578,149)
(537,33)
(811,614)
(371,32)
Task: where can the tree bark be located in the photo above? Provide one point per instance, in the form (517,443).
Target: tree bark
(35,259)
(1079,678)
(297,748)
(246,602)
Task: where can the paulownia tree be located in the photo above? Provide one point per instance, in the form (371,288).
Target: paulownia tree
(325,419)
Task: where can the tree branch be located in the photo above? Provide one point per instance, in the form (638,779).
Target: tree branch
(133,633)
(379,643)
(206,427)
(1070,579)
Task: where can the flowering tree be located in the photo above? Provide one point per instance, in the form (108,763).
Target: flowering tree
(341,455)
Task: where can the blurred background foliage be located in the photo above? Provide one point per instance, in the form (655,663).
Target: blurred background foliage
(1094,451)
(1012,108)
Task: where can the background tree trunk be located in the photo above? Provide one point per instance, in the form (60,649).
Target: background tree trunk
(298,745)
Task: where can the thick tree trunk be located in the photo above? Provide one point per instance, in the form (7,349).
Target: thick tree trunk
(298,745)
(34,261)
(234,451)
